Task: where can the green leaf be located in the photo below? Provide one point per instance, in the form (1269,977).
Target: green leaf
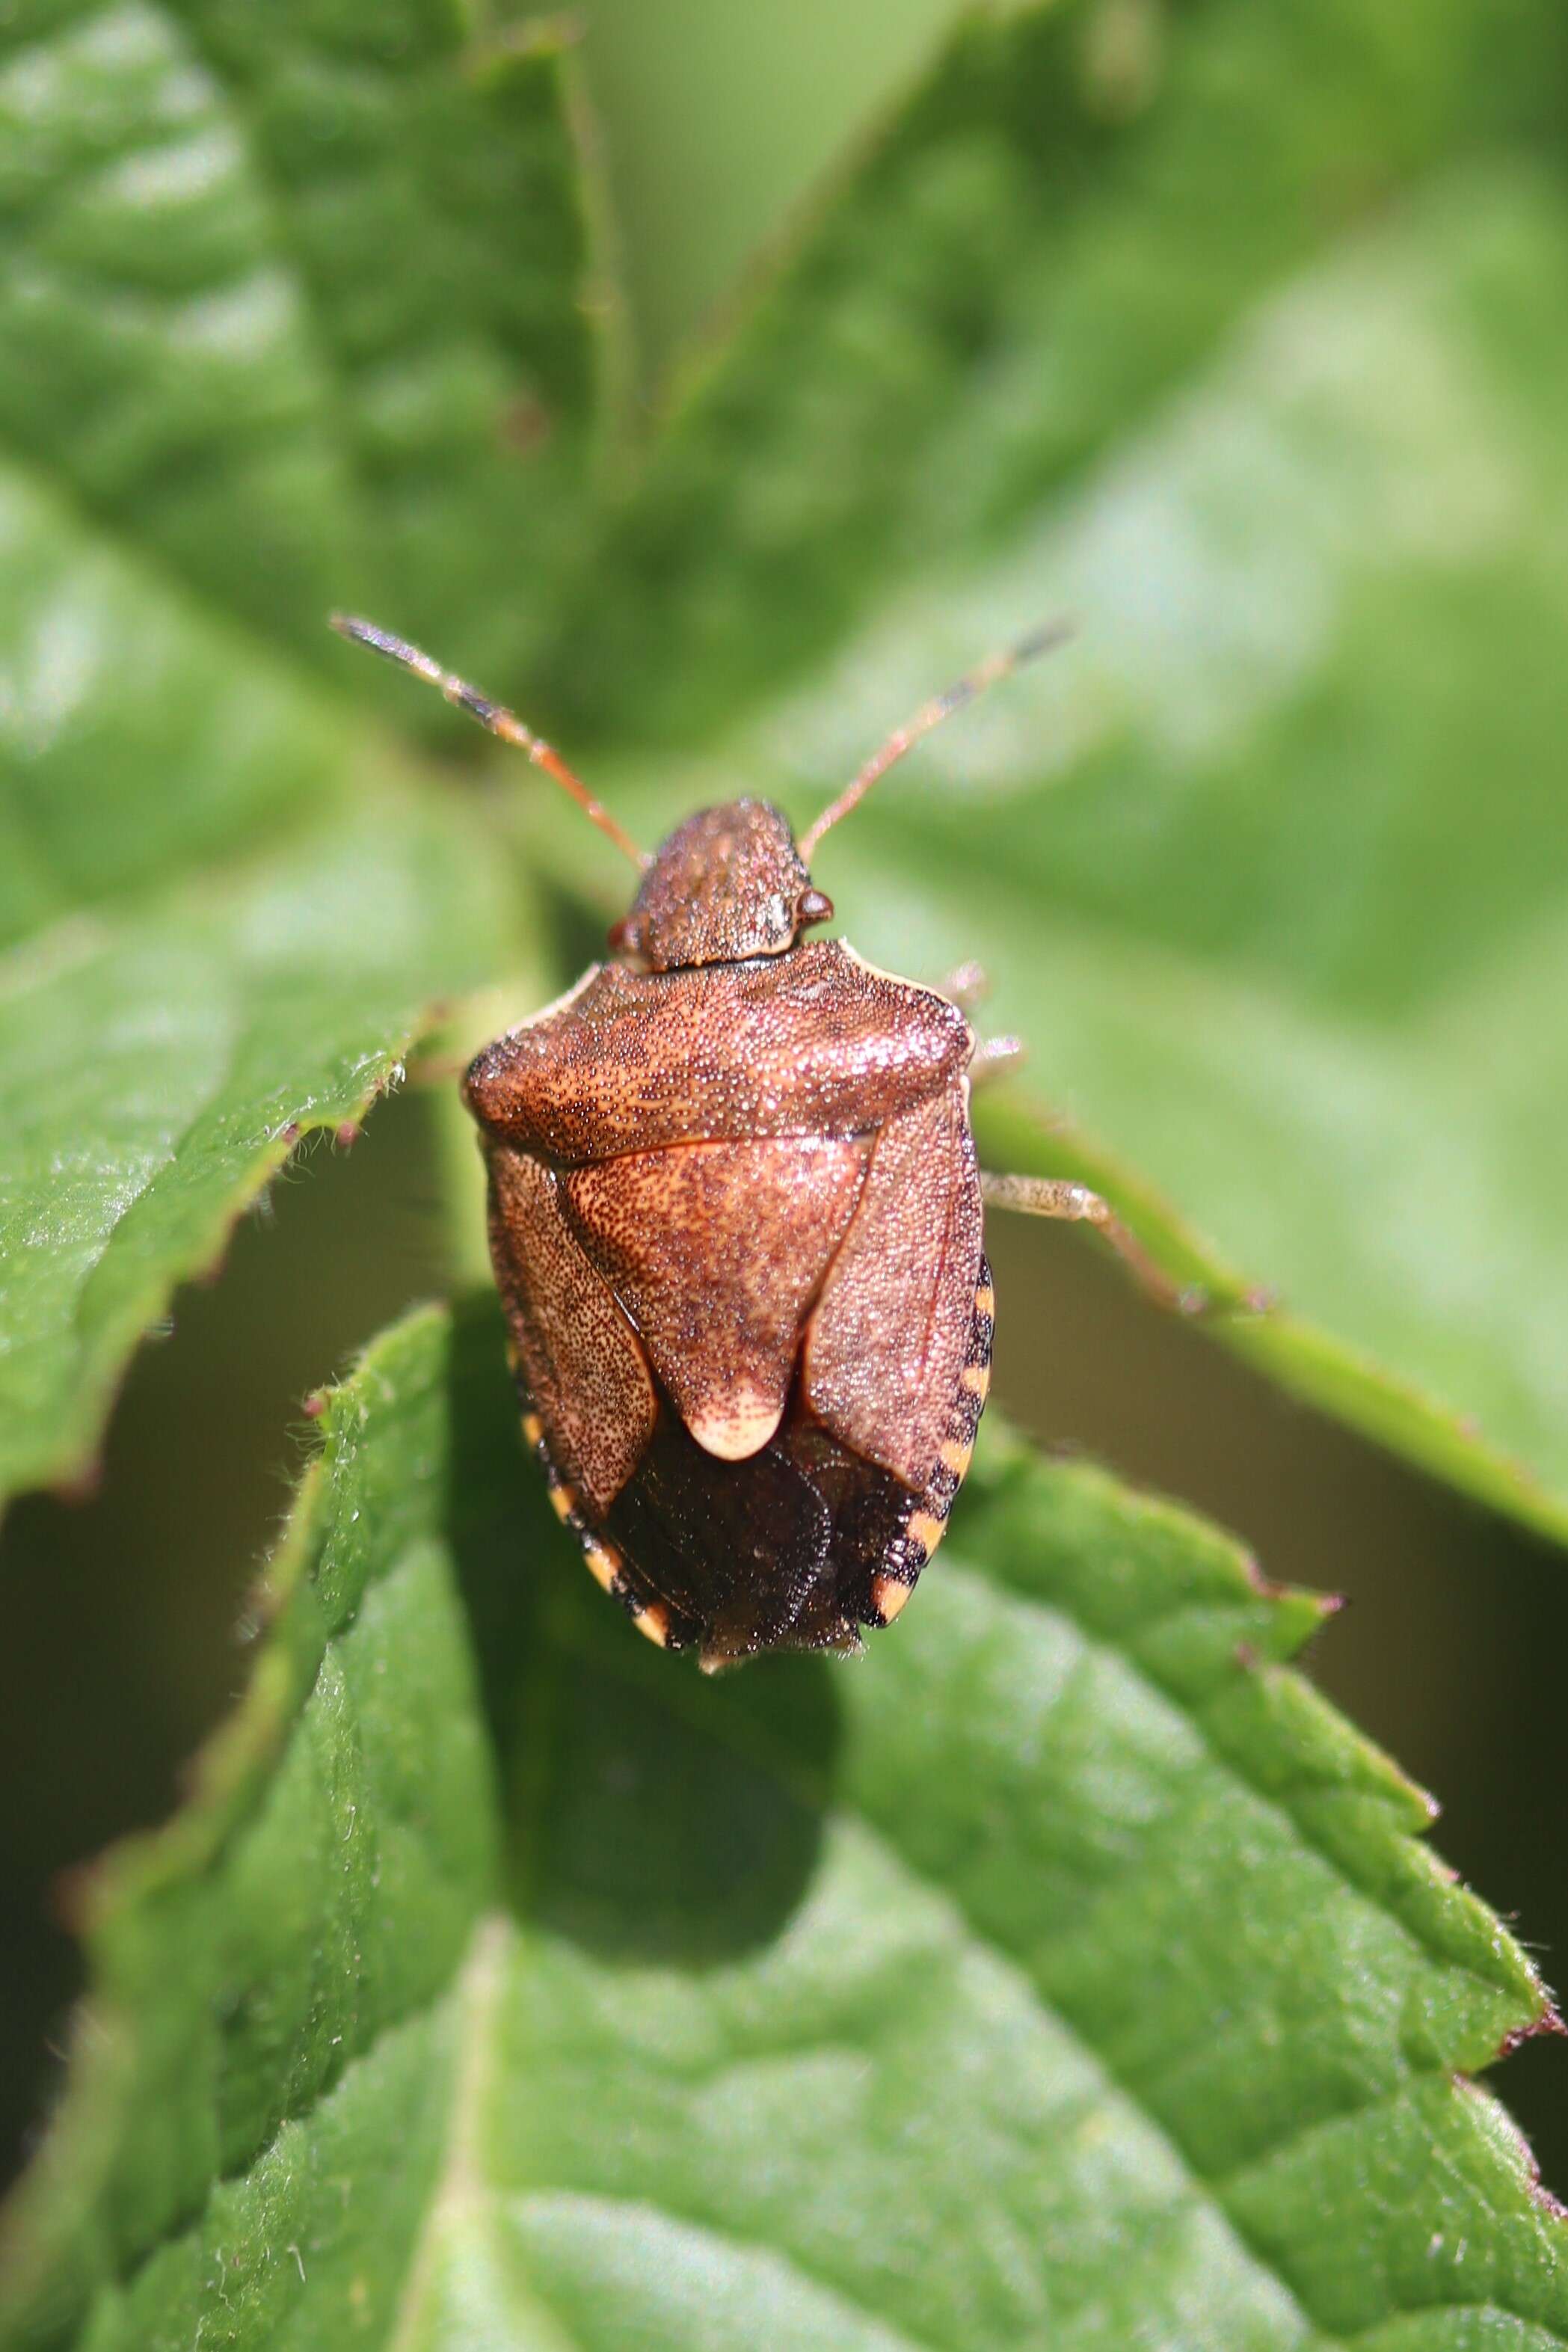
(291,316)
(295,303)
(1064,221)
(305,1915)
(210,956)
(1268,867)
(1064,1971)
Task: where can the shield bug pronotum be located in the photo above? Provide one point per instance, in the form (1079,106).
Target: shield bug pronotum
(736,1222)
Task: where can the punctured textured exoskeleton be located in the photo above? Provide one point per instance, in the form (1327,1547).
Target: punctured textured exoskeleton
(735,1216)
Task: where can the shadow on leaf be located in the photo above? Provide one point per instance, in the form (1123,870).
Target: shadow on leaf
(647,1814)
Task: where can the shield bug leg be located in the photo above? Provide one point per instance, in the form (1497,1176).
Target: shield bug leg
(1048,1196)
(994,1057)
(968,985)
(435,1069)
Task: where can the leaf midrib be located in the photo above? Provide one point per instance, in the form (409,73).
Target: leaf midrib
(479,1984)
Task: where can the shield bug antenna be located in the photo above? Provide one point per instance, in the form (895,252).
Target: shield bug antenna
(931,714)
(493,716)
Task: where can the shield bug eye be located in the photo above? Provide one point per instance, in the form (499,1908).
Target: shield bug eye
(624,937)
(815,906)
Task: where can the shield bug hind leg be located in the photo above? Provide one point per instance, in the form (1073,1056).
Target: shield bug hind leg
(896,1579)
(1058,1197)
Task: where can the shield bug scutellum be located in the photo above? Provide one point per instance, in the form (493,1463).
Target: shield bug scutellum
(735,1215)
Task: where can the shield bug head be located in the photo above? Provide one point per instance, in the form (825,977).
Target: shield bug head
(732,882)
(735,1219)
(729,883)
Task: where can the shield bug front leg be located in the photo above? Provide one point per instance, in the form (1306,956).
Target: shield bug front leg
(995,1057)
(968,985)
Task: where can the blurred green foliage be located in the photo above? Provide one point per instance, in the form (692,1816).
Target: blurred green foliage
(1240,333)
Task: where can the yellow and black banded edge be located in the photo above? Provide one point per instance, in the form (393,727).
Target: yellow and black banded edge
(927,1525)
(654,1620)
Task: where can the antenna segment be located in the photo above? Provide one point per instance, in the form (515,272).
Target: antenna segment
(491,715)
(929,715)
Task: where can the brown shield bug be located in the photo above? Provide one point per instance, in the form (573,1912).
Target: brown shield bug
(736,1223)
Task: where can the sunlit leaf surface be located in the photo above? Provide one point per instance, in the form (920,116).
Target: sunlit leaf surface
(291,317)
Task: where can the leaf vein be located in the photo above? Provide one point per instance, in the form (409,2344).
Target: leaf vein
(1218,2189)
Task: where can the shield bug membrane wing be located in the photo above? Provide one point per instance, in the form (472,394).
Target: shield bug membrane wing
(736,1222)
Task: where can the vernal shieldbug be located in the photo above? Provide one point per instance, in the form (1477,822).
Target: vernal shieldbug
(735,1216)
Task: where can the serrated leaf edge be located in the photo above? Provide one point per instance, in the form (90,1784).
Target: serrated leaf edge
(227,1784)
